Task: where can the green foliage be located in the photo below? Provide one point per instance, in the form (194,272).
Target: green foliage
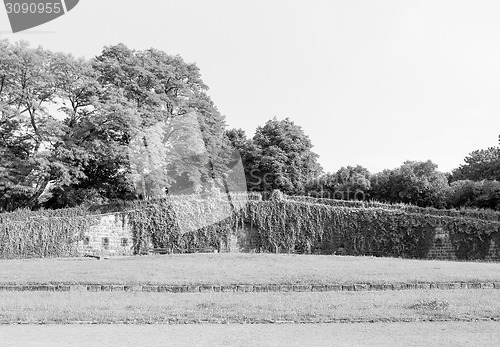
(248,152)
(293,226)
(125,124)
(185,223)
(282,224)
(284,159)
(471,237)
(348,183)
(475,213)
(299,224)
(25,214)
(480,165)
(415,182)
(277,195)
(178,143)
(46,233)
(483,194)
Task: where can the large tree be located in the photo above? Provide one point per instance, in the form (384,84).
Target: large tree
(285,158)
(98,124)
(28,130)
(125,123)
(180,144)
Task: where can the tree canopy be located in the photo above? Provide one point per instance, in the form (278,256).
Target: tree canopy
(348,183)
(483,164)
(283,158)
(131,124)
(124,124)
(415,182)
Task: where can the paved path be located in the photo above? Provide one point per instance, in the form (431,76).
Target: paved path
(356,334)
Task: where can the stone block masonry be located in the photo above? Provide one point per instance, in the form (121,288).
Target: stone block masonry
(110,236)
(494,250)
(245,288)
(442,248)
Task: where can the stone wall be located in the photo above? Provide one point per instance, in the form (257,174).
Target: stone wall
(494,251)
(442,248)
(247,240)
(111,236)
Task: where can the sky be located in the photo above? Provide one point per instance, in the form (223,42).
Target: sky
(372,83)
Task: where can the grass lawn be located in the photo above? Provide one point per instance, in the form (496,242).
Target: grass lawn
(141,308)
(221,269)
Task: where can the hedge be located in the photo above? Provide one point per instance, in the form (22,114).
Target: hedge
(42,237)
(466,212)
(42,233)
(282,224)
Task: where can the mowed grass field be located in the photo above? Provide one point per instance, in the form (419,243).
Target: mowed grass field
(228,307)
(260,308)
(222,269)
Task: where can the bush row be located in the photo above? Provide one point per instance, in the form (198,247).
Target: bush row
(21,215)
(466,212)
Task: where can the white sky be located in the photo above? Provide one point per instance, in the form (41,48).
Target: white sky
(371,82)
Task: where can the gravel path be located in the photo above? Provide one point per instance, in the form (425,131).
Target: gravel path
(357,334)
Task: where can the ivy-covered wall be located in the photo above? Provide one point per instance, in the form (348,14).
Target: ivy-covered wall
(112,235)
(194,223)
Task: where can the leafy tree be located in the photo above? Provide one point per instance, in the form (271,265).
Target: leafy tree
(490,195)
(354,182)
(415,182)
(324,186)
(248,152)
(27,129)
(481,194)
(181,134)
(464,193)
(127,122)
(284,157)
(348,183)
(480,165)
(98,126)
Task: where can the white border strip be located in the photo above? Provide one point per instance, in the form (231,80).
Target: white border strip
(64,6)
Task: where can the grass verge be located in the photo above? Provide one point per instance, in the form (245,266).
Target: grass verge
(224,269)
(141,308)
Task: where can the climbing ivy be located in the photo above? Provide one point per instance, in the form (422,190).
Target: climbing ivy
(465,212)
(280,224)
(288,225)
(42,236)
(186,223)
(285,225)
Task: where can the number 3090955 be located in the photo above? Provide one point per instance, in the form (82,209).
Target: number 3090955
(33,8)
